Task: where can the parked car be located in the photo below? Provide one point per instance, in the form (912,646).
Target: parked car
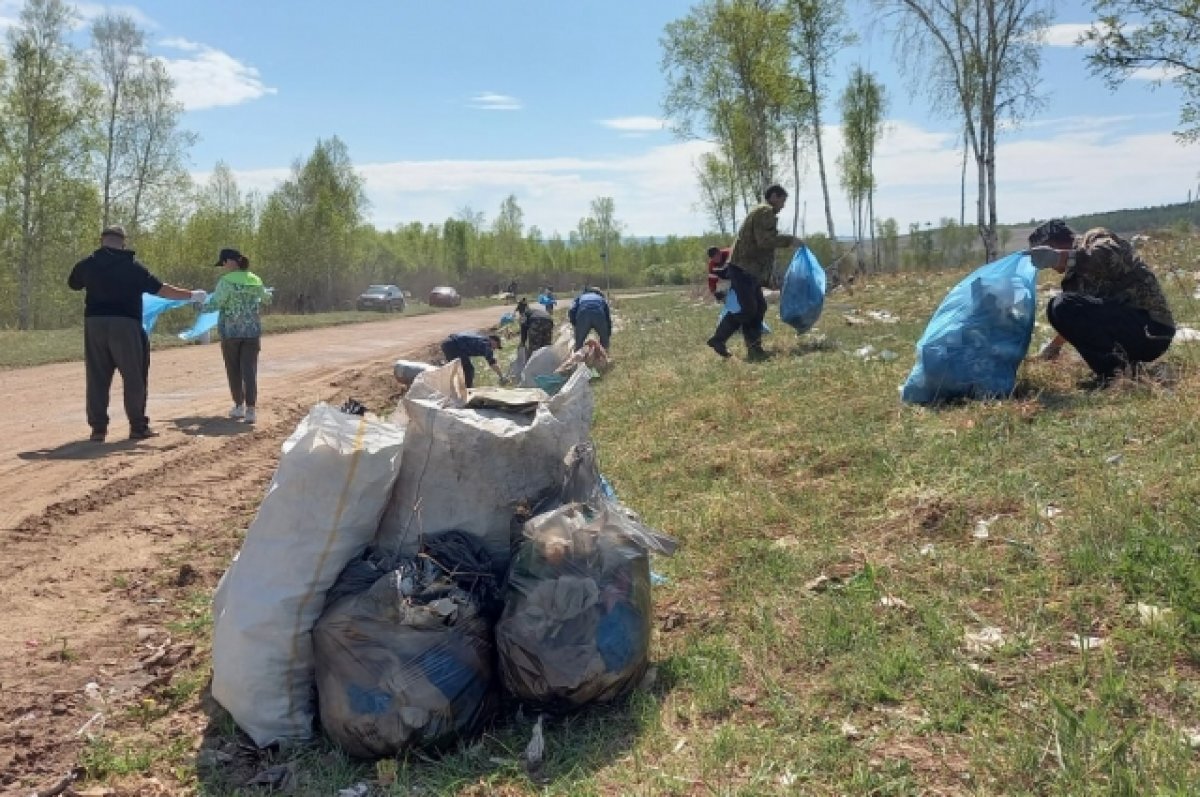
(444,296)
(388,298)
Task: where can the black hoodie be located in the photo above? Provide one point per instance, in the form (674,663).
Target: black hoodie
(114,282)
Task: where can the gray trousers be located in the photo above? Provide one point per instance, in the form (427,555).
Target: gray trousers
(110,344)
(241,368)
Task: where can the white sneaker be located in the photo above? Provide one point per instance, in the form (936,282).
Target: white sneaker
(250,416)
(238,412)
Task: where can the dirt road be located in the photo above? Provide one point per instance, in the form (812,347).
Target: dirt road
(105,547)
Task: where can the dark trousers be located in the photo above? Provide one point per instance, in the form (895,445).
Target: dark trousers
(451,352)
(110,344)
(1108,335)
(749,292)
(588,320)
(241,368)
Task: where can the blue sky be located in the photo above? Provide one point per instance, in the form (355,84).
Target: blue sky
(445,105)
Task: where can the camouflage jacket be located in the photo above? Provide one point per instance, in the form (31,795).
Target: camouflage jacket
(757,240)
(1107,267)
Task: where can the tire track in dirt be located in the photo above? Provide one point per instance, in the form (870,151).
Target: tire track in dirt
(120,557)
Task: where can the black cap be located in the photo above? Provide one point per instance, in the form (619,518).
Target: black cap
(227,254)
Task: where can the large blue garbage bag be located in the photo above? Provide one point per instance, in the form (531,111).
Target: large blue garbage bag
(803,293)
(979,335)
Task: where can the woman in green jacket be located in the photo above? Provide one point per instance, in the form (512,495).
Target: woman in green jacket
(238,296)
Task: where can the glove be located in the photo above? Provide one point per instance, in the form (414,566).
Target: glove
(1050,351)
(1043,257)
(199,298)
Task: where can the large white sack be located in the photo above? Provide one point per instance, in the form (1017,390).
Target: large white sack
(547,359)
(469,469)
(321,510)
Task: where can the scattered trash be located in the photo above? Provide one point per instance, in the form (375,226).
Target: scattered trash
(892,602)
(353,406)
(865,353)
(1187,334)
(658,579)
(1153,616)
(887,355)
(850,731)
(1113,460)
(787,779)
(985,640)
(786,543)
(927,549)
(1191,737)
(982,528)
(1083,643)
(535,751)
(276,778)
(882,316)
(1051,511)
(818,584)
(360,789)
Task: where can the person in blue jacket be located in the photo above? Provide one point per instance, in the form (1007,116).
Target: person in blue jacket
(465,345)
(547,300)
(590,312)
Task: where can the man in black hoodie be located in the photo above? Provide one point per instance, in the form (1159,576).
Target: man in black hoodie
(113,338)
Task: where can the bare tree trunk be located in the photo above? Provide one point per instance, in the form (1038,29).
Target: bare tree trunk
(110,145)
(796,176)
(962,196)
(25,258)
(990,241)
(812,77)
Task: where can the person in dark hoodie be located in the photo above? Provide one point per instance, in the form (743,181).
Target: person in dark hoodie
(113,281)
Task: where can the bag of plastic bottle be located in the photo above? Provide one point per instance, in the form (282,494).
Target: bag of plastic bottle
(978,336)
(803,295)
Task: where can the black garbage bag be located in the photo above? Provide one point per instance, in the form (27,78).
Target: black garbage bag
(408,662)
(576,622)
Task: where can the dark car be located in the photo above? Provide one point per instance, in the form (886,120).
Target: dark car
(381,297)
(444,296)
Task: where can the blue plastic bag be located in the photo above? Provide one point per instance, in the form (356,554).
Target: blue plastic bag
(978,336)
(733,306)
(154,306)
(204,322)
(803,295)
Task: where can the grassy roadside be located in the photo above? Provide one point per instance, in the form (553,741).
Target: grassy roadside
(22,349)
(983,599)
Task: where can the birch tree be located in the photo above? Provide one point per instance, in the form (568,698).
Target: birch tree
(979,60)
(118,45)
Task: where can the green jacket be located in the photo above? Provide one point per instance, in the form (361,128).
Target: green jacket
(238,295)
(757,240)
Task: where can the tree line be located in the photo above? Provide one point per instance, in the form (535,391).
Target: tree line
(754,76)
(93,136)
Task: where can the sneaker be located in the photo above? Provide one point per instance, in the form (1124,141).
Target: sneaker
(718,347)
(98,436)
(251,416)
(144,433)
(238,412)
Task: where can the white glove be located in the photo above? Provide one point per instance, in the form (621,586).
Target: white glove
(1050,351)
(1043,257)
(199,298)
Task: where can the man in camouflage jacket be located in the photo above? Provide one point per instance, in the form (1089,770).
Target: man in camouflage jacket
(1111,309)
(750,265)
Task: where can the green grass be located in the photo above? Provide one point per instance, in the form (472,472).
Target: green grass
(22,349)
(773,474)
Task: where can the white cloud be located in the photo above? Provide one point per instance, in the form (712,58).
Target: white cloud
(918,171)
(1065,34)
(491,101)
(209,78)
(635,124)
(1157,73)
